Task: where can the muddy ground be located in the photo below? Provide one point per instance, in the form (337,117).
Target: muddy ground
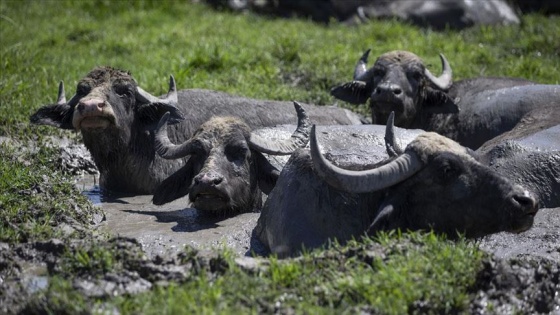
(521,272)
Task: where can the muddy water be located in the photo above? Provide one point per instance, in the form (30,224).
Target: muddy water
(168,228)
(541,241)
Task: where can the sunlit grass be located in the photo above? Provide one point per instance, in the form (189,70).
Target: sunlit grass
(43,42)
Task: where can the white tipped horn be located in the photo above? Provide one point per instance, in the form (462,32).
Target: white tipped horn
(445,80)
(299,138)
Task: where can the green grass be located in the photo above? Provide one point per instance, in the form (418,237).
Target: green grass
(35,199)
(393,274)
(43,42)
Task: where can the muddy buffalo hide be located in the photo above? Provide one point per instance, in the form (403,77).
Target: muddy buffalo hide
(350,147)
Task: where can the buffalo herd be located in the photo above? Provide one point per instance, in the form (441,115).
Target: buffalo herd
(472,157)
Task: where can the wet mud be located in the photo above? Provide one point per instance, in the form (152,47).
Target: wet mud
(167,229)
(163,244)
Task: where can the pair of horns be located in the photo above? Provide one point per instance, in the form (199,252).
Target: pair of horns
(404,166)
(141,95)
(299,139)
(443,82)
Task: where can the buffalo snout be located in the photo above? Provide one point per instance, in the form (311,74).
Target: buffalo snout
(208,179)
(93,104)
(93,113)
(524,201)
(524,206)
(388,90)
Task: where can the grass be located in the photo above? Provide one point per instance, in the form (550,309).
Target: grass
(393,274)
(43,42)
(35,198)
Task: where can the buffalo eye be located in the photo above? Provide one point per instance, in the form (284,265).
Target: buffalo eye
(416,75)
(83,88)
(378,72)
(236,153)
(448,171)
(123,89)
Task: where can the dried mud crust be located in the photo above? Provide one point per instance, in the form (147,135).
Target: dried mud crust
(502,286)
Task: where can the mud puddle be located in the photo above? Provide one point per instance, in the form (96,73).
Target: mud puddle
(540,241)
(166,229)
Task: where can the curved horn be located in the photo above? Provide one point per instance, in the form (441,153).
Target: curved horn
(393,148)
(445,80)
(376,179)
(61,99)
(299,138)
(361,67)
(171,98)
(163,145)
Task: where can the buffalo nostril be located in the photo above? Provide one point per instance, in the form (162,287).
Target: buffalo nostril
(217,180)
(397,91)
(377,91)
(101,104)
(526,202)
(207,179)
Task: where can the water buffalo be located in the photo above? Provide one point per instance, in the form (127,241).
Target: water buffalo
(470,111)
(434,184)
(529,154)
(116,118)
(226,167)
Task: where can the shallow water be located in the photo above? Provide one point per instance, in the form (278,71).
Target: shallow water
(168,228)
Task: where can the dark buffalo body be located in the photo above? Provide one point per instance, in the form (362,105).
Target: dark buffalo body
(117,118)
(450,192)
(529,154)
(470,111)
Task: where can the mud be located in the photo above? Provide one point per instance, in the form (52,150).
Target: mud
(542,241)
(167,229)
(521,273)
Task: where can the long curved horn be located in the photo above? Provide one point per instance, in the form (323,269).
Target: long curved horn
(376,179)
(163,145)
(299,138)
(445,80)
(171,98)
(391,145)
(361,67)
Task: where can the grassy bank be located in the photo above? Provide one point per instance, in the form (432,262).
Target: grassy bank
(43,42)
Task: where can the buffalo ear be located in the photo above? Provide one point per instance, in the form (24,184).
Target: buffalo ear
(175,186)
(387,218)
(150,114)
(354,92)
(267,174)
(438,102)
(57,115)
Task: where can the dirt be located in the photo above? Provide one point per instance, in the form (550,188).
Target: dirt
(521,274)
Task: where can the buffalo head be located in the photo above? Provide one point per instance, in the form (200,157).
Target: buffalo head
(116,118)
(226,171)
(105,99)
(400,82)
(435,183)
